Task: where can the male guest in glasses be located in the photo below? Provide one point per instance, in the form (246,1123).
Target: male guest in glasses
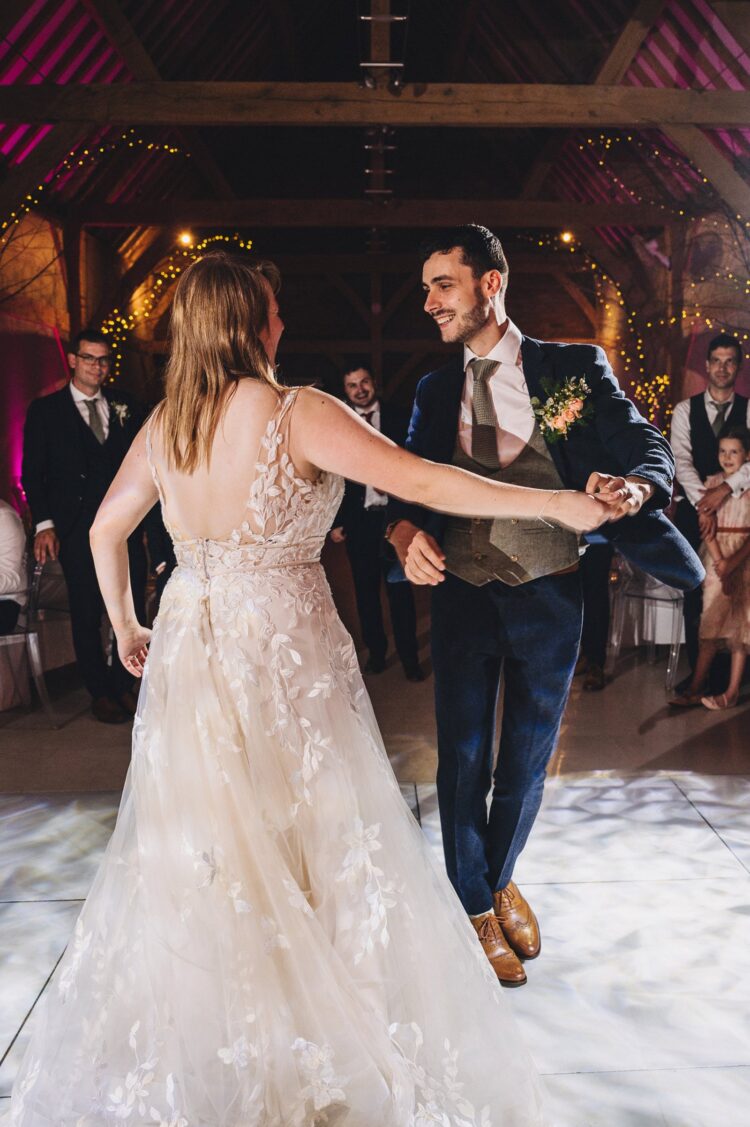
(74,442)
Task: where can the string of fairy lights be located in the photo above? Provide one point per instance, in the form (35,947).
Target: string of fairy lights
(120,323)
(735,225)
(651,390)
(79,158)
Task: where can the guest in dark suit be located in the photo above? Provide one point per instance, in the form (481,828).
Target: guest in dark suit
(507,594)
(74,442)
(596,564)
(697,425)
(360,524)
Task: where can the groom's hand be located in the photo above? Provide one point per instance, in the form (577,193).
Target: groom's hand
(624,496)
(420,555)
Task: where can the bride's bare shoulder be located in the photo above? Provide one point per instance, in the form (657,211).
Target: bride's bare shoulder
(313,402)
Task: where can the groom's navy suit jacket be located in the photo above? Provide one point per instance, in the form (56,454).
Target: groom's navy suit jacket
(616,439)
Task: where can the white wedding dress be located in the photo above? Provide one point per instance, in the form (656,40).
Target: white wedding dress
(268,942)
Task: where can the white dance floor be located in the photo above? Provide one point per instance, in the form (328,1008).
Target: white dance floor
(637,1011)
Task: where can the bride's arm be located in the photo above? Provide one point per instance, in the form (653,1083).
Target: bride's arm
(128,499)
(330,436)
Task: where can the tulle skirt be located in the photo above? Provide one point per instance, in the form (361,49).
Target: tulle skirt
(268,940)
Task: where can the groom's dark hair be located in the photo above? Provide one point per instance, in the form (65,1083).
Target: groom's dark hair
(481,250)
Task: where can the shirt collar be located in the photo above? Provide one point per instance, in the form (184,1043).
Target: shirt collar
(79,397)
(709,400)
(374,406)
(505,351)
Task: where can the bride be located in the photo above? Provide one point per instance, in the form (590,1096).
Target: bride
(267,942)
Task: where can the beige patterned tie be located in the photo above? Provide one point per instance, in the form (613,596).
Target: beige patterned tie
(483,420)
(95,420)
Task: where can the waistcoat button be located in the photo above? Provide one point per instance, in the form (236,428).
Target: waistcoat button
(514,521)
(478,557)
(514,558)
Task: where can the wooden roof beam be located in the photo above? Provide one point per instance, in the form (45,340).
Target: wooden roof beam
(719,172)
(23,179)
(363,213)
(117,27)
(623,51)
(579,298)
(612,69)
(479,106)
(735,15)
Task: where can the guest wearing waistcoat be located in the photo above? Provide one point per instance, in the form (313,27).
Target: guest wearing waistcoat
(360,524)
(74,442)
(697,425)
(507,594)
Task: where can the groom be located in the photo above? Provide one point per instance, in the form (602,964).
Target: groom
(507,595)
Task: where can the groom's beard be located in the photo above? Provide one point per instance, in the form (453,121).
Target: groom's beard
(465,326)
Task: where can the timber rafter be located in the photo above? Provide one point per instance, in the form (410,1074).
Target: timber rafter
(340,103)
(364,213)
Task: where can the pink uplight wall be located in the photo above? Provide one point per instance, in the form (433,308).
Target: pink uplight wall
(32,364)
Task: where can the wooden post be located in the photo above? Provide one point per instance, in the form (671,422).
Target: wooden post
(677,345)
(72,263)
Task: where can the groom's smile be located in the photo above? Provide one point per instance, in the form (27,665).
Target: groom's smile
(455,299)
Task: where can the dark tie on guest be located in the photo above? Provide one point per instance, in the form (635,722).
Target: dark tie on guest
(721,414)
(95,420)
(483,420)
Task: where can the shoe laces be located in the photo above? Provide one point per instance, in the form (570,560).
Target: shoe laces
(507,897)
(486,929)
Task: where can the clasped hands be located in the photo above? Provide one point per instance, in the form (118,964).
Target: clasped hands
(624,496)
(423,559)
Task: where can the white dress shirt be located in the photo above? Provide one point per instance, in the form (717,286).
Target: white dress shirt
(102,406)
(80,400)
(12,554)
(374,499)
(682,445)
(510,398)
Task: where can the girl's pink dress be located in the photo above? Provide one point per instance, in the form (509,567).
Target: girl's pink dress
(726,618)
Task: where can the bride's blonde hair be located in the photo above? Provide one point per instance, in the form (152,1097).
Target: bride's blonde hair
(220,307)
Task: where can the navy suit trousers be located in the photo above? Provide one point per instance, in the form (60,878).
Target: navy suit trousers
(530,635)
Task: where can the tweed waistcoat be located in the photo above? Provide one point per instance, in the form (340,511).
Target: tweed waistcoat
(513,551)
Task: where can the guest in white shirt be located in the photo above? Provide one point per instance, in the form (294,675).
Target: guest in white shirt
(12,567)
(697,425)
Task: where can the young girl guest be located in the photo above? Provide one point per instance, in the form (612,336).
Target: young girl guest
(725,621)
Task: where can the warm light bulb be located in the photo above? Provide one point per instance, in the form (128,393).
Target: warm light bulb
(567,236)
(185,238)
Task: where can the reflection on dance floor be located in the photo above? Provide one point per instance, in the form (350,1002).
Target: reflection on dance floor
(636,1011)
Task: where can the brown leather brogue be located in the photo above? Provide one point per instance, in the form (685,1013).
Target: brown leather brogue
(518,922)
(506,965)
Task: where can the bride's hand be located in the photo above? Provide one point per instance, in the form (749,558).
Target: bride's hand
(132,647)
(578,512)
